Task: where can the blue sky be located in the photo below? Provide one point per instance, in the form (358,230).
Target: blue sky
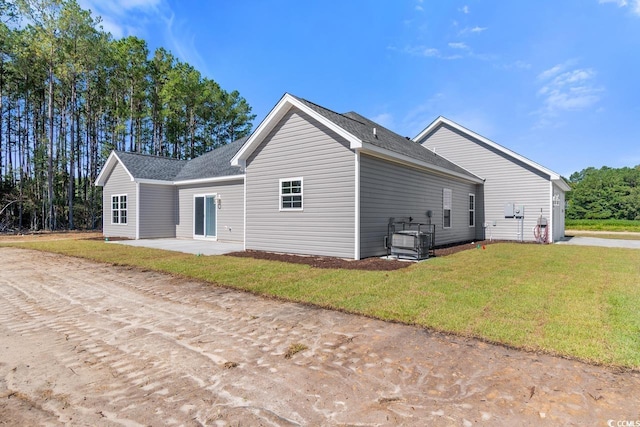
(555,81)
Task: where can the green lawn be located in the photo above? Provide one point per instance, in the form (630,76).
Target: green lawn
(580,302)
(602,225)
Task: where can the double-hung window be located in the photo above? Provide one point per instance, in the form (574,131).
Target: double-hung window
(291,194)
(119,209)
(446,208)
(472,210)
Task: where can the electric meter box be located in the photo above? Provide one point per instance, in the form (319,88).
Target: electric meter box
(508,210)
(518,211)
(511,210)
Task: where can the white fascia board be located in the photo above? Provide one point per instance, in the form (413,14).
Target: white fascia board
(111,162)
(209,180)
(401,158)
(272,119)
(443,120)
(434,124)
(152,181)
(562,184)
(190,181)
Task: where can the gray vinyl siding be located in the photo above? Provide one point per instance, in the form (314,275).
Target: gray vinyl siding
(558,215)
(507,180)
(391,190)
(229,218)
(119,182)
(157,211)
(300,146)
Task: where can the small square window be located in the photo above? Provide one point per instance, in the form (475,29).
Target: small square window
(291,194)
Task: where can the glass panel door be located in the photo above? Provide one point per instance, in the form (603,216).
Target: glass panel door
(204,216)
(198,217)
(210,216)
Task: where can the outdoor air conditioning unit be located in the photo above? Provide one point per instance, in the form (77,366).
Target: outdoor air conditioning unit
(408,239)
(411,244)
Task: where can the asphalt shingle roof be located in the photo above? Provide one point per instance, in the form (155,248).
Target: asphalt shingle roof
(213,164)
(362,128)
(145,166)
(217,163)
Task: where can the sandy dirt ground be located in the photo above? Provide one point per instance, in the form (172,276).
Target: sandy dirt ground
(86,344)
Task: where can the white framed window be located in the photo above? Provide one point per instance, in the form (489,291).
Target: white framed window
(291,194)
(472,210)
(119,209)
(446,208)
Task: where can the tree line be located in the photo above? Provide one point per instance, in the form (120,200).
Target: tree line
(605,193)
(70,93)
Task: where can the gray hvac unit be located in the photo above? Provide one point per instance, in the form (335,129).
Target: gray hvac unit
(410,240)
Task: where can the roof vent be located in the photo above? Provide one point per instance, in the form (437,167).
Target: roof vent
(375,133)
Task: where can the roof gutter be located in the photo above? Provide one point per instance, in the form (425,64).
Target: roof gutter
(189,181)
(208,180)
(406,160)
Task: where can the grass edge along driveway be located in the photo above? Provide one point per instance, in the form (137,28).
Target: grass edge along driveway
(577,302)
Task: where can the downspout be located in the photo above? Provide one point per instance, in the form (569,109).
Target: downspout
(356,254)
(137,211)
(551,213)
(243,165)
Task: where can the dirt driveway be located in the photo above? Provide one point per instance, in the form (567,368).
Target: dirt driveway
(88,344)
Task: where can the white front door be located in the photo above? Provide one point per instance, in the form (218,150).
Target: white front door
(204,216)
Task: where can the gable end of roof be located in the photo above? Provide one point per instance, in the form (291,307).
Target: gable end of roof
(108,166)
(283,106)
(441,121)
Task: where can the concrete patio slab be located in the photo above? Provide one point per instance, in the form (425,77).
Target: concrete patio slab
(597,241)
(189,246)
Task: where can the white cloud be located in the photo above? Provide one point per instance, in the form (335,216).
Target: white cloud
(552,72)
(634,5)
(422,114)
(472,30)
(458,45)
(564,88)
(621,3)
(418,51)
(519,65)
(419,117)
(149,20)
(384,119)
(464,9)
(123,18)
(459,50)
(430,51)
(116,30)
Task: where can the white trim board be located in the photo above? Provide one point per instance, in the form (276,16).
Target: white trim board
(553,176)
(273,118)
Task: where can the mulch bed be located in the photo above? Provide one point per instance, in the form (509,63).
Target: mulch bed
(372,264)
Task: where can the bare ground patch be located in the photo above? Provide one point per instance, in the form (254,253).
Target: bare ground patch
(89,344)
